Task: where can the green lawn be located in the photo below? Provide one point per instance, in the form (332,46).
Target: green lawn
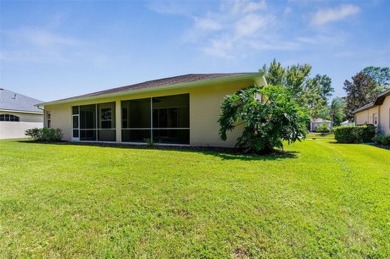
(321,200)
(314,135)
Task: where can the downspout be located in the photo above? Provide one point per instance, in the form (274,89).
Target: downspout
(44,114)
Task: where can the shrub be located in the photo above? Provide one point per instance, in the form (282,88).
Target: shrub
(45,134)
(386,140)
(322,129)
(354,134)
(270,116)
(380,139)
(34,133)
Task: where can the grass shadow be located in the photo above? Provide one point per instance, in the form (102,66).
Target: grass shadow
(275,155)
(386,147)
(223,153)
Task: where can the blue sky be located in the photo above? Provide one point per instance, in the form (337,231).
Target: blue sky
(58,49)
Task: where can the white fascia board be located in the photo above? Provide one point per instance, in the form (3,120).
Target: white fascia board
(19,111)
(257,77)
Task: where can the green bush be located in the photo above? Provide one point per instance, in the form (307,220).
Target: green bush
(354,134)
(386,140)
(33,133)
(323,128)
(380,139)
(268,121)
(45,134)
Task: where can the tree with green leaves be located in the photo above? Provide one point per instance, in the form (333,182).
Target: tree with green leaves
(315,94)
(275,74)
(337,108)
(360,91)
(270,115)
(380,75)
(312,93)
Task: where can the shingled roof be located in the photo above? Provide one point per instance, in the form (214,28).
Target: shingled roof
(160,83)
(378,101)
(12,101)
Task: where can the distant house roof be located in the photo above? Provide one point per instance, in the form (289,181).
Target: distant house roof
(378,101)
(176,81)
(12,101)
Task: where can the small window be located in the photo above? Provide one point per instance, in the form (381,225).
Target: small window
(8,117)
(375,119)
(48,120)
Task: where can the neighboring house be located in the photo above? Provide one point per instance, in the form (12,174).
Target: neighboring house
(176,110)
(17,114)
(377,113)
(347,123)
(314,123)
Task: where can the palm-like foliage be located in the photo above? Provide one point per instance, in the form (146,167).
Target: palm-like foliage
(270,115)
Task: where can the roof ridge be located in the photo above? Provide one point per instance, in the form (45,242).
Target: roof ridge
(3,89)
(13,101)
(154,83)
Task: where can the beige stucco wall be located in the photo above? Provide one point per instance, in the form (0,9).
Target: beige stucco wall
(383,113)
(205,108)
(385,116)
(16,129)
(61,117)
(366,116)
(205,104)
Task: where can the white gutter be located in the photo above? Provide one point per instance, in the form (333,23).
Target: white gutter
(20,111)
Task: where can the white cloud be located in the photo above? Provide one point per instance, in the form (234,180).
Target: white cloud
(168,7)
(223,32)
(322,39)
(207,24)
(29,56)
(287,11)
(45,38)
(274,44)
(38,46)
(246,6)
(238,28)
(220,47)
(38,37)
(251,24)
(325,16)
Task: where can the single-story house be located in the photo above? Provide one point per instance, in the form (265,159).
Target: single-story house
(376,112)
(17,114)
(176,110)
(314,123)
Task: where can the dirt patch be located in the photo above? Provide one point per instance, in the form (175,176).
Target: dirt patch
(242,253)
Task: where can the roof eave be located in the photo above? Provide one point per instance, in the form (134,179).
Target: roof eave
(21,111)
(363,108)
(378,101)
(259,76)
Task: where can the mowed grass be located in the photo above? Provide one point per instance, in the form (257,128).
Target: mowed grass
(321,200)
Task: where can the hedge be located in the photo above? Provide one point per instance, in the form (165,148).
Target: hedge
(383,140)
(45,134)
(354,134)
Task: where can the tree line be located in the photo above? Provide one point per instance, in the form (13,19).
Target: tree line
(280,111)
(314,93)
